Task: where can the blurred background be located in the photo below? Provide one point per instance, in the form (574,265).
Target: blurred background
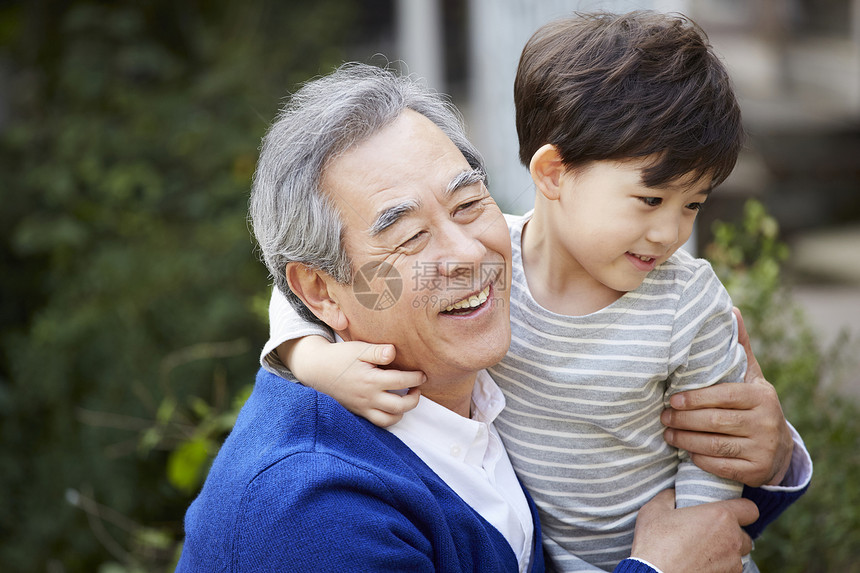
(133,306)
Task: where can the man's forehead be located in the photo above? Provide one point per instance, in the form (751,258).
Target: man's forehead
(395,150)
(388,175)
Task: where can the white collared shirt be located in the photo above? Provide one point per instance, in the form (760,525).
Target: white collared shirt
(469,456)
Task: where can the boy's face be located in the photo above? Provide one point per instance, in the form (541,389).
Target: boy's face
(613,230)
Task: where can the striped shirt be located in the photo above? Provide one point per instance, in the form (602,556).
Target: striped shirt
(584,395)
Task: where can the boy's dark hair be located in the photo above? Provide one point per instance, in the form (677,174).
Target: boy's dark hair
(606,86)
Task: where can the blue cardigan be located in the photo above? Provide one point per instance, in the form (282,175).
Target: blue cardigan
(301,484)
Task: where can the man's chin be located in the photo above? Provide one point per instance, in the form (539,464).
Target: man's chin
(487,351)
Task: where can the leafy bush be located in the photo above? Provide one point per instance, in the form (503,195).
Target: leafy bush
(821,532)
(129,282)
(132,307)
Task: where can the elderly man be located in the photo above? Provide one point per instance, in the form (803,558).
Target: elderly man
(368,172)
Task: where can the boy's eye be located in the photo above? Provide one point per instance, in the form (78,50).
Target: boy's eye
(695,206)
(651,201)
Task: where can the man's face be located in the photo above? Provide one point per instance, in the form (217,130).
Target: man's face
(425,239)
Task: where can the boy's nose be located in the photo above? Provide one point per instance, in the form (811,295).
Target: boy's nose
(665,232)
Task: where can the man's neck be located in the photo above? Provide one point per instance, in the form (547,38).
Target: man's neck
(454,393)
(453,390)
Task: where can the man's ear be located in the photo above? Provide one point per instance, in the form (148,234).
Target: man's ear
(547,169)
(314,287)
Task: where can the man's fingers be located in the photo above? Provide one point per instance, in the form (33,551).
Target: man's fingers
(750,460)
(715,445)
(743,335)
(727,457)
(746,544)
(744,510)
(665,498)
(705,537)
(659,505)
(725,396)
(709,420)
(734,469)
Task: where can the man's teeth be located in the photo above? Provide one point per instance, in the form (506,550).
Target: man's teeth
(472,301)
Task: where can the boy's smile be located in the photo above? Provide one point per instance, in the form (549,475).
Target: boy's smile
(642,262)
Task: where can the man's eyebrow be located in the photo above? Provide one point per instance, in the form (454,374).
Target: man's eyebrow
(464,179)
(388,217)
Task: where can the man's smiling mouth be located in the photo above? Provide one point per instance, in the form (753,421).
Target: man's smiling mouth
(470,302)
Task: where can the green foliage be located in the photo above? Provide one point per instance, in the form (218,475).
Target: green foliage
(132,306)
(821,532)
(129,289)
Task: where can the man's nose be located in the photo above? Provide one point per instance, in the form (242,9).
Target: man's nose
(461,250)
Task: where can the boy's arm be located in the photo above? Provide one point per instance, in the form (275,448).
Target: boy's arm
(739,432)
(735,431)
(285,325)
(347,371)
(703,352)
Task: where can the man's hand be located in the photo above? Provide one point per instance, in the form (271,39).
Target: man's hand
(735,431)
(704,538)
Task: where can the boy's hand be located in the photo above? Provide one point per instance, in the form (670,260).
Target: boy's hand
(349,372)
(735,431)
(703,538)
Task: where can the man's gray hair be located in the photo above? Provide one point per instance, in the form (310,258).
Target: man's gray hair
(292,217)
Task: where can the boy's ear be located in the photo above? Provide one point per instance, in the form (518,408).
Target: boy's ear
(313,286)
(547,169)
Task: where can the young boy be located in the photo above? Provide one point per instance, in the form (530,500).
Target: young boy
(626,123)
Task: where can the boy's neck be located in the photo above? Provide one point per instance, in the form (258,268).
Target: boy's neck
(555,279)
